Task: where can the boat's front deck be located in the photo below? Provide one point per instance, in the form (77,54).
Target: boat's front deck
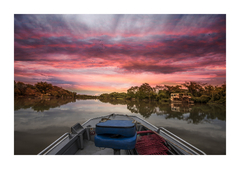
(91,149)
(81,140)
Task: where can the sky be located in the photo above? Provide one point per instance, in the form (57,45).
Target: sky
(95,54)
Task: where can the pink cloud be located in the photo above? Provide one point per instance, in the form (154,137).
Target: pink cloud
(104,53)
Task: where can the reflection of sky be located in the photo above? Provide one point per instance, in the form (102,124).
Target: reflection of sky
(210,137)
(81,111)
(215,128)
(66,115)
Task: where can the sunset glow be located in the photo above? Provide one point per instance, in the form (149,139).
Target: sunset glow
(95,54)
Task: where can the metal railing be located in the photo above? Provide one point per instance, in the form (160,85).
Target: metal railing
(183,141)
(54,144)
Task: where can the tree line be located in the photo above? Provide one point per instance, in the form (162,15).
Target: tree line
(46,90)
(199,92)
(41,89)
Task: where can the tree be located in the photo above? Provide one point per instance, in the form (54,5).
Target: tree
(195,88)
(158,88)
(145,91)
(209,90)
(43,87)
(30,92)
(173,89)
(133,90)
(21,88)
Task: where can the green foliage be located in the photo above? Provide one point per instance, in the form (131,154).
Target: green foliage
(218,95)
(173,89)
(204,93)
(164,100)
(114,95)
(205,98)
(202,99)
(133,90)
(104,96)
(199,92)
(196,89)
(84,97)
(162,95)
(128,97)
(145,91)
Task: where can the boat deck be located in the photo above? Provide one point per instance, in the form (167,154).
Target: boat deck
(81,140)
(91,149)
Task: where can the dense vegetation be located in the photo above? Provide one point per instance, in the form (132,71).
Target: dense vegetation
(41,89)
(46,90)
(201,93)
(206,93)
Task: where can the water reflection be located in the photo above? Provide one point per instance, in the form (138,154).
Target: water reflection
(40,105)
(180,107)
(198,113)
(197,124)
(195,114)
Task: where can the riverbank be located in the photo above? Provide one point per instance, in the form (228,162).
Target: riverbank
(197,93)
(44,90)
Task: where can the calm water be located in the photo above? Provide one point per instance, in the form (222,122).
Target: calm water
(37,123)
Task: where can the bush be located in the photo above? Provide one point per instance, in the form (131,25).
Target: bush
(43,87)
(30,92)
(164,100)
(205,98)
(128,97)
(202,99)
(161,96)
(17,92)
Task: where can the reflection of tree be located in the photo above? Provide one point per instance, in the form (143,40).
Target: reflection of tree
(114,101)
(40,104)
(143,108)
(206,113)
(191,113)
(199,113)
(196,114)
(196,117)
(173,115)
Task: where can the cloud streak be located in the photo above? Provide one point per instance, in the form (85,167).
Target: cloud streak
(120,45)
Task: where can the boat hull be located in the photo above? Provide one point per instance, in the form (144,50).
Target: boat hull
(81,139)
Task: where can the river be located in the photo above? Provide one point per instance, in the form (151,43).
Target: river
(37,123)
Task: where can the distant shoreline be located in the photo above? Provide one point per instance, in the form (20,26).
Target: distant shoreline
(199,93)
(45,90)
